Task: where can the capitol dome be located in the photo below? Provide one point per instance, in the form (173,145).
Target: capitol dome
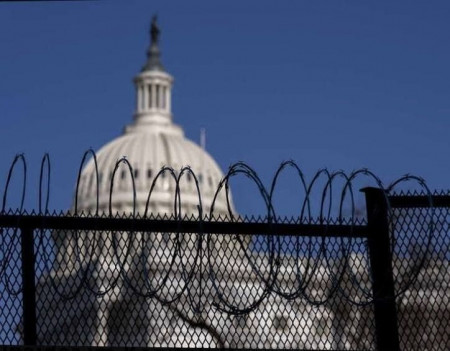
(152,141)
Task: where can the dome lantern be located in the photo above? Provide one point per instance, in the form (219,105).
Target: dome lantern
(153,88)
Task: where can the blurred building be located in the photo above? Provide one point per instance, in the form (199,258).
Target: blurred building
(69,313)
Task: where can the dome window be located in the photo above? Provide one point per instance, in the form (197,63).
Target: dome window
(149,173)
(136,173)
(122,174)
(200,178)
(210,181)
(157,96)
(240,321)
(82,184)
(189,177)
(150,100)
(91,180)
(322,327)
(280,323)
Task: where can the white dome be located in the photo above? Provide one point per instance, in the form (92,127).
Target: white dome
(148,149)
(151,142)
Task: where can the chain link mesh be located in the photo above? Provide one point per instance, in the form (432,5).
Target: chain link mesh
(176,289)
(170,290)
(10,286)
(422,265)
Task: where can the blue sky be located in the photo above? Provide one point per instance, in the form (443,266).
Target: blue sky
(336,84)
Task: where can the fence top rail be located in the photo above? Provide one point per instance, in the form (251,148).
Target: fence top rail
(418,201)
(182,226)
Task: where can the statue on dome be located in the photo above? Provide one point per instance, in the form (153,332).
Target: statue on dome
(154,30)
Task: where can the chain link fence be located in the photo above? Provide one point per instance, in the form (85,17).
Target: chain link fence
(422,270)
(127,282)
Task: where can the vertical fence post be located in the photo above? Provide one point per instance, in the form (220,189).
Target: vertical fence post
(380,256)
(28,286)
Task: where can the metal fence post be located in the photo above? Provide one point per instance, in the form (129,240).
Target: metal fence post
(381,265)
(28,286)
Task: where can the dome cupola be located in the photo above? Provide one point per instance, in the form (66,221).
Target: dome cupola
(153,88)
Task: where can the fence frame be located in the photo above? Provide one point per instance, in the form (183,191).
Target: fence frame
(380,256)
